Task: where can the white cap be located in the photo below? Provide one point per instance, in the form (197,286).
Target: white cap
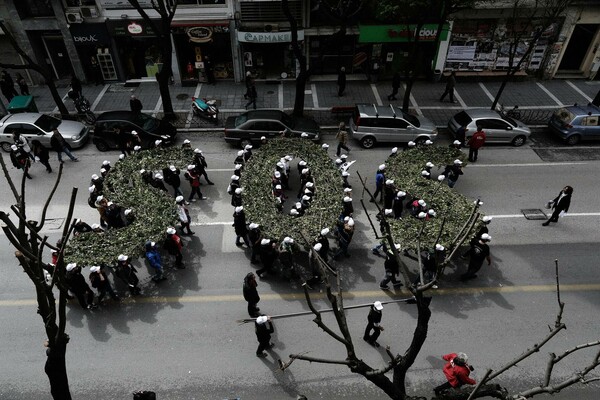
(351,222)
(95,268)
(265,242)
(347,190)
(102,170)
(173,168)
(235,178)
(110,203)
(382,166)
(309,184)
(263,138)
(122,157)
(278,187)
(127,212)
(238,166)
(397,246)
(324,231)
(429,164)
(400,193)
(191,166)
(422,215)
(485,236)
(157,142)
(457,162)
(288,239)
(478,202)
(344,156)
(277,174)
(253,226)
(306,191)
(71,266)
(152,244)
(389,182)
(338,161)
(439,247)
(239,209)
(240,153)
(441,177)
(77,220)
(325,146)
(239,190)
(305,198)
(94,177)
(179,199)
(142,171)
(304,135)
(305,171)
(105,162)
(134,133)
(425,173)
(302,163)
(95,226)
(486,219)
(293,211)
(288,158)
(345,173)
(378,306)
(248,146)
(91,189)
(99,198)
(394,150)
(456,142)
(411,144)
(171,231)
(137,148)
(347,199)
(122,257)
(261,320)
(428,142)
(318,247)
(432,212)
(298,205)
(186,141)
(14,147)
(158,176)
(388,211)
(346,219)
(197,151)
(422,203)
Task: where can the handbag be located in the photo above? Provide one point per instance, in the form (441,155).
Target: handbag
(549,204)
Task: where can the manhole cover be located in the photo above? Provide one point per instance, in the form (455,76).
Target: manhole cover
(534,213)
(182,96)
(270,92)
(53,223)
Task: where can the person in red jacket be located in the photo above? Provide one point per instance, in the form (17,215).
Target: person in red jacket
(475,143)
(457,372)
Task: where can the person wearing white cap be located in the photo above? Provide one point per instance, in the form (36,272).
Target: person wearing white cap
(345,234)
(391,270)
(158,183)
(345,183)
(100,282)
(425,174)
(157,144)
(239,159)
(452,172)
(247,152)
(268,254)
(324,242)
(484,227)
(411,144)
(314,266)
(236,197)
(187,144)
(184,216)
(428,142)
(234,184)
(128,274)
(80,227)
(479,252)
(263,327)
(456,145)
(78,286)
(193,177)
(398,205)
(137,148)
(286,255)
(173,245)
(172,177)
(201,165)
(389,192)
(254,237)
(20,159)
(347,207)
(263,140)
(379,182)
(394,152)
(325,146)
(461,134)
(240,227)
(305,177)
(374,324)
(342,138)
(417,206)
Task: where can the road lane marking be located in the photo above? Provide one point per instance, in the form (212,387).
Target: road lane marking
(376,94)
(581,92)
(279,96)
(55,110)
(191,113)
(549,93)
(486,91)
(413,101)
(157,106)
(360,294)
(460,100)
(99,97)
(315,98)
(541,164)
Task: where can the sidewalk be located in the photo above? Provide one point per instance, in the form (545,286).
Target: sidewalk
(321,96)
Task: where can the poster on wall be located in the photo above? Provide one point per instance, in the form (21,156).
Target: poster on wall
(460,51)
(247,59)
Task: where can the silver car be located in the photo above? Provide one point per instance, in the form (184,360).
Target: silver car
(35,126)
(371,124)
(497,127)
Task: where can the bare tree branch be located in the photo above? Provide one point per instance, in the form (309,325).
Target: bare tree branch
(9,179)
(320,360)
(47,204)
(318,319)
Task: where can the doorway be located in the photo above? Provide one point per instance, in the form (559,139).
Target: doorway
(58,56)
(578,46)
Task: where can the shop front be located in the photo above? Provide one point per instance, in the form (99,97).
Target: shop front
(93,42)
(269,55)
(138,50)
(200,46)
(386,48)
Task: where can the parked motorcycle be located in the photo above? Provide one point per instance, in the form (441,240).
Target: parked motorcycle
(84,109)
(206,109)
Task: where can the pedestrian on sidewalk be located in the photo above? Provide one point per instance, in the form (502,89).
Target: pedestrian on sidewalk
(457,372)
(251,294)
(560,205)
(263,327)
(450,84)
(341,81)
(41,154)
(374,324)
(7,86)
(475,143)
(342,137)
(252,95)
(479,252)
(22,85)
(395,86)
(96,71)
(249,83)
(60,145)
(135,104)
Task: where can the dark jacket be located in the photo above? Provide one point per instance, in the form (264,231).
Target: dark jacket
(263,331)
(374,316)
(239,223)
(58,142)
(250,293)
(562,204)
(135,105)
(76,281)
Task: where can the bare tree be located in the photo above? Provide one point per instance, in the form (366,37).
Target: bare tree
(526,16)
(166,10)
(300,58)
(24,236)
(32,65)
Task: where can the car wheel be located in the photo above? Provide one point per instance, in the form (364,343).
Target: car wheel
(368,142)
(5,146)
(245,142)
(421,141)
(519,141)
(102,146)
(573,140)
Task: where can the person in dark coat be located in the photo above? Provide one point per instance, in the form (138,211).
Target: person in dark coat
(100,282)
(41,153)
(7,86)
(113,215)
(60,145)
(173,245)
(76,87)
(263,328)
(201,165)
(249,83)
(254,237)
(22,85)
(128,274)
(135,104)
(453,172)
(208,69)
(268,255)
(479,252)
(251,294)
(79,287)
(389,192)
(374,324)
(461,134)
(239,225)
(81,227)
(322,239)
(560,205)
(158,183)
(20,160)
(395,86)
(450,84)
(252,95)
(341,81)
(398,205)
(96,71)
(391,270)
(172,177)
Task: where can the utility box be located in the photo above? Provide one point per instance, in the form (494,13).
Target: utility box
(20,104)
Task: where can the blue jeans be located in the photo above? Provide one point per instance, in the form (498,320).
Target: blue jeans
(67,152)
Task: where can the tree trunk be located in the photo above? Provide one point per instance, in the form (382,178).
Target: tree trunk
(56,370)
(300,87)
(164,76)
(413,68)
(303,75)
(55,95)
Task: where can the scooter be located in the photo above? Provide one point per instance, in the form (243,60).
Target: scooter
(206,109)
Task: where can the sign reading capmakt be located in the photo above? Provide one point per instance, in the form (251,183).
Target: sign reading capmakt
(267,37)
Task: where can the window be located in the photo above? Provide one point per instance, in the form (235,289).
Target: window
(463,118)
(12,128)
(492,124)
(47,123)
(592,120)
(368,122)
(200,2)
(394,123)
(267,126)
(30,130)
(34,8)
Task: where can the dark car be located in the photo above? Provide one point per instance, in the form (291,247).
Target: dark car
(576,123)
(148,128)
(252,125)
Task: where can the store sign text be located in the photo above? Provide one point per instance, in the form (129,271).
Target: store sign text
(268,37)
(424,34)
(84,39)
(134,29)
(200,34)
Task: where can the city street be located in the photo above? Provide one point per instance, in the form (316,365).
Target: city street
(181,339)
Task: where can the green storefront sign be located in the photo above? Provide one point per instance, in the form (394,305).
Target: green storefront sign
(399,33)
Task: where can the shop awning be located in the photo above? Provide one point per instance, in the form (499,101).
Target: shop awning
(189,22)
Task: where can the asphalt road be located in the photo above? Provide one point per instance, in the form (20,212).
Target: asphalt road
(181,338)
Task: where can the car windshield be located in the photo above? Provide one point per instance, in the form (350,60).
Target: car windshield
(463,118)
(240,119)
(47,123)
(510,120)
(287,121)
(565,116)
(412,119)
(146,122)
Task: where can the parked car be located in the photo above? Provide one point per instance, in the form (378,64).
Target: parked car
(252,125)
(148,128)
(498,128)
(576,123)
(36,126)
(371,124)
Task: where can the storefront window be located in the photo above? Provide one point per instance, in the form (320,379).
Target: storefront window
(201,2)
(33,9)
(79,3)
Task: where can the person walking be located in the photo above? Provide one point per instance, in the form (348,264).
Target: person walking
(345,234)
(153,257)
(391,270)
(22,85)
(184,216)
(268,255)
(239,225)
(193,178)
(379,182)
(263,327)
(60,145)
(135,104)
(173,245)
(341,81)
(100,282)
(128,274)
(560,205)
(249,83)
(252,95)
(342,138)
(452,172)
(479,252)
(171,176)
(41,154)
(450,84)
(251,294)
(201,165)
(475,143)
(96,71)
(79,287)
(76,87)
(254,237)
(20,160)
(374,324)
(395,86)
(457,371)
